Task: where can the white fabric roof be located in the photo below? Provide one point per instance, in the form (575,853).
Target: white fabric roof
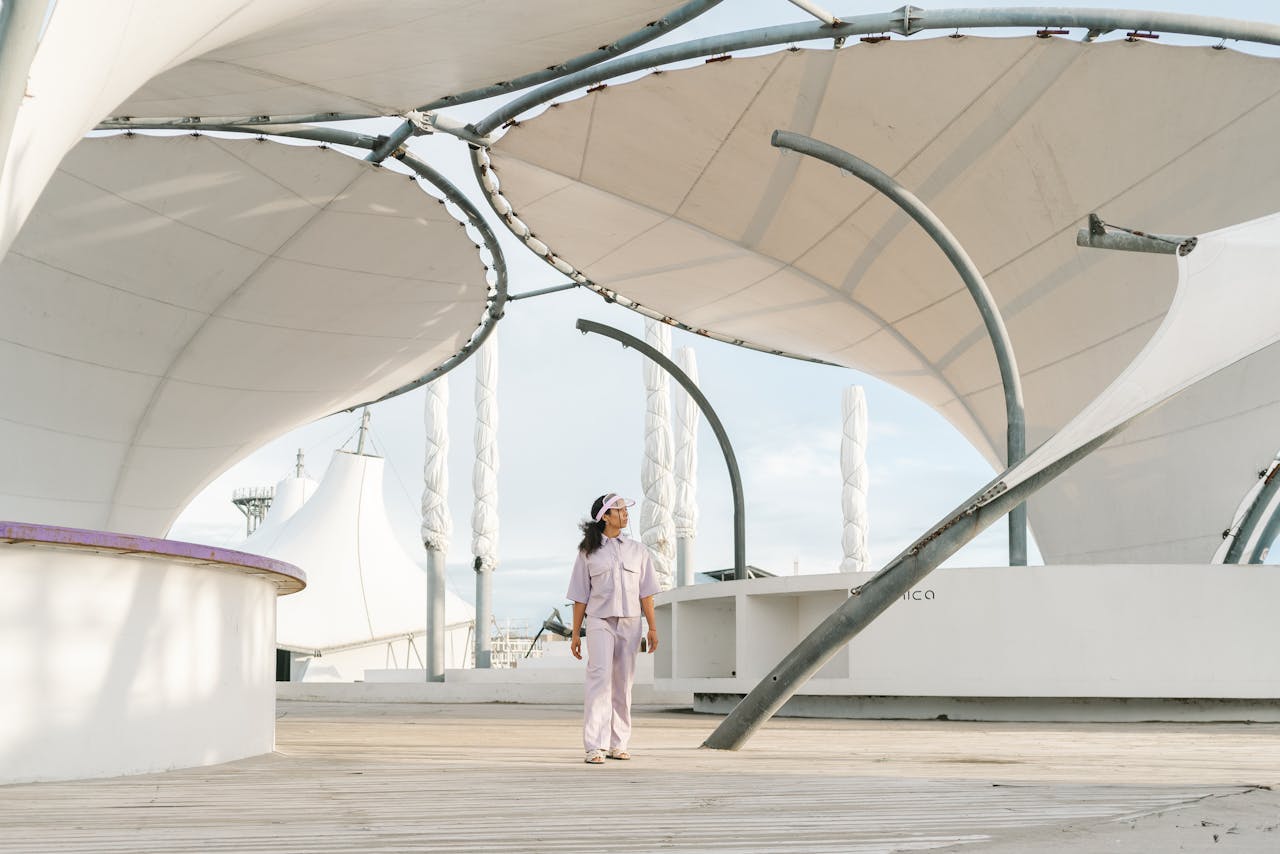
(1227,283)
(361,586)
(385,56)
(250,57)
(93,55)
(173,303)
(668,190)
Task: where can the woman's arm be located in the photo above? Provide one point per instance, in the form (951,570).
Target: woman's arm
(651,639)
(575,641)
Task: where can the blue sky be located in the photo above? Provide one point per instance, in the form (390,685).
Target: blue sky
(571,426)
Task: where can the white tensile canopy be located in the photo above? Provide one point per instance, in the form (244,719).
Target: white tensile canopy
(362,588)
(174,303)
(667,190)
(267,57)
(383,57)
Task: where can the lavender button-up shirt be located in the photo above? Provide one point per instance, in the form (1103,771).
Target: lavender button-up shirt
(613,579)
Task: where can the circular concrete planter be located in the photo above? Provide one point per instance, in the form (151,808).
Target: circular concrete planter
(125,655)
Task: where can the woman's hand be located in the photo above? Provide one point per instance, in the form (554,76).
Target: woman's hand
(575,645)
(651,641)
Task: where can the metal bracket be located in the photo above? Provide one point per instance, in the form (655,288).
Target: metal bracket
(1101,235)
(905,20)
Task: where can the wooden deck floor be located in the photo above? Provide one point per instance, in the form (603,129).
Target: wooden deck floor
(404,777)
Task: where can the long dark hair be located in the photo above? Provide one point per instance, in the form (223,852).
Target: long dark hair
(593,531)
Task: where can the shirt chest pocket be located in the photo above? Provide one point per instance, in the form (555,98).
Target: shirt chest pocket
(602,578)
(630,578)
(615,580)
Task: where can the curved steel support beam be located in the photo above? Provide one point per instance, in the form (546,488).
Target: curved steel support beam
(245,124)
(905,21)
(867,602)
(1266,535)
(394,140)
(735,479)
(651,31)
(21,22)
(1015,431)
(293,131)
(1246,540)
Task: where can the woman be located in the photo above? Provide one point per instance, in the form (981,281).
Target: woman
(612,585)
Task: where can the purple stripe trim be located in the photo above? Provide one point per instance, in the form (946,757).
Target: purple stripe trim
(287,577)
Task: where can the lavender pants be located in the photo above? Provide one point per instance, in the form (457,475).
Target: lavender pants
(612,644)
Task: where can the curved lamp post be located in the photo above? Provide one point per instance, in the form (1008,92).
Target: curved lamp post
(735,479)
(1016,430)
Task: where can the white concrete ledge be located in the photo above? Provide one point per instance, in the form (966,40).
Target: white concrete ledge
(1119,642)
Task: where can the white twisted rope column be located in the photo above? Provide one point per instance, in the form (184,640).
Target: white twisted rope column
(686,469)
(853,467)
(437,524)
(657,530)
(484,481)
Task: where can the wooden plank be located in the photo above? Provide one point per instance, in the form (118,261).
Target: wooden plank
(420,778)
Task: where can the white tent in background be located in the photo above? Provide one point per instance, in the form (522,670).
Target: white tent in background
(289,496)
(363,607)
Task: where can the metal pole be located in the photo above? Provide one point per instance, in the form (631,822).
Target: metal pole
(1015,424)
(1245,544)
(1261,544)
(1233,538)
(20,25)
(684,562)
(817,11)
(1156,244)
(435,615)
(364,431)
(907,20)
(241,123)
(391,143)
(484,608)
(867,602)
(691,388)
(553,289)
(334,136)
(1096,236)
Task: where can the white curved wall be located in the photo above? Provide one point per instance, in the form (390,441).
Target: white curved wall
(122,664)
